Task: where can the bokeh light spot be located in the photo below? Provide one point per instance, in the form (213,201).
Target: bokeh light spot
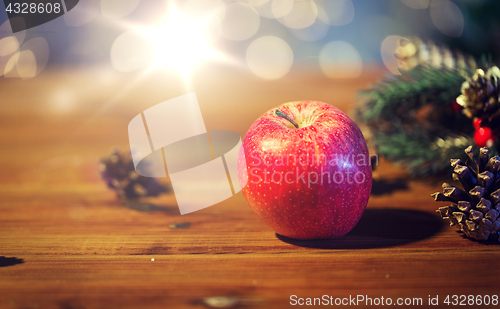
(39,47)
(263,7)
(83,13)
(254,3)
(11,65)
(130,52)
(26,64)
(387,50)
(8,45)
(29,60)
(303,14)
(339,12)
(281,8)
(316,31)
(197,9)
(6,29)
(417,4)
(269,57)
(339,59)
(447,17)
(118,8)
(3,63)
(240,22)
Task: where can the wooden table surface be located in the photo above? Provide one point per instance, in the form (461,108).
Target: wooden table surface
(66,241)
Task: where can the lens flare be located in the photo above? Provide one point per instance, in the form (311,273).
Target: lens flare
(181,40)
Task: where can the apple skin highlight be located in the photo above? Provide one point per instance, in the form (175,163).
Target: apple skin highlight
(310,182)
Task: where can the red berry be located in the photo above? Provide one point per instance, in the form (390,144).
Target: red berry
(477,122)
(455,106)
(484,137)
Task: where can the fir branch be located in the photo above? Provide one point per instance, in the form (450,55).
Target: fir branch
(409,117)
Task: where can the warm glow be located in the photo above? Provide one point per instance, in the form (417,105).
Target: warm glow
(182,41)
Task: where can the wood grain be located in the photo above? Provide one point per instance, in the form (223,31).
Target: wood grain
(67,242)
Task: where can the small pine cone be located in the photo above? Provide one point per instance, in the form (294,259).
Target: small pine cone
(476,207)
(119,173)
(415,52)
(480,95)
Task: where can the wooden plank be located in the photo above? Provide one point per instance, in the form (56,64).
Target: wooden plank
(67,242)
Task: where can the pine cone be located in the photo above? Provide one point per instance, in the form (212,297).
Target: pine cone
(415,52)
(119,173)
(476,208)
(480,95)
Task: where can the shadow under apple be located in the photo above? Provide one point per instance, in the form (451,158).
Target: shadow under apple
(379,228)
(384,186)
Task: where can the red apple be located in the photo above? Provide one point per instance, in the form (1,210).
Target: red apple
(307,170)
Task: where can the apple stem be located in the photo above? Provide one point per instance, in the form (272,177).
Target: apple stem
(279,113)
